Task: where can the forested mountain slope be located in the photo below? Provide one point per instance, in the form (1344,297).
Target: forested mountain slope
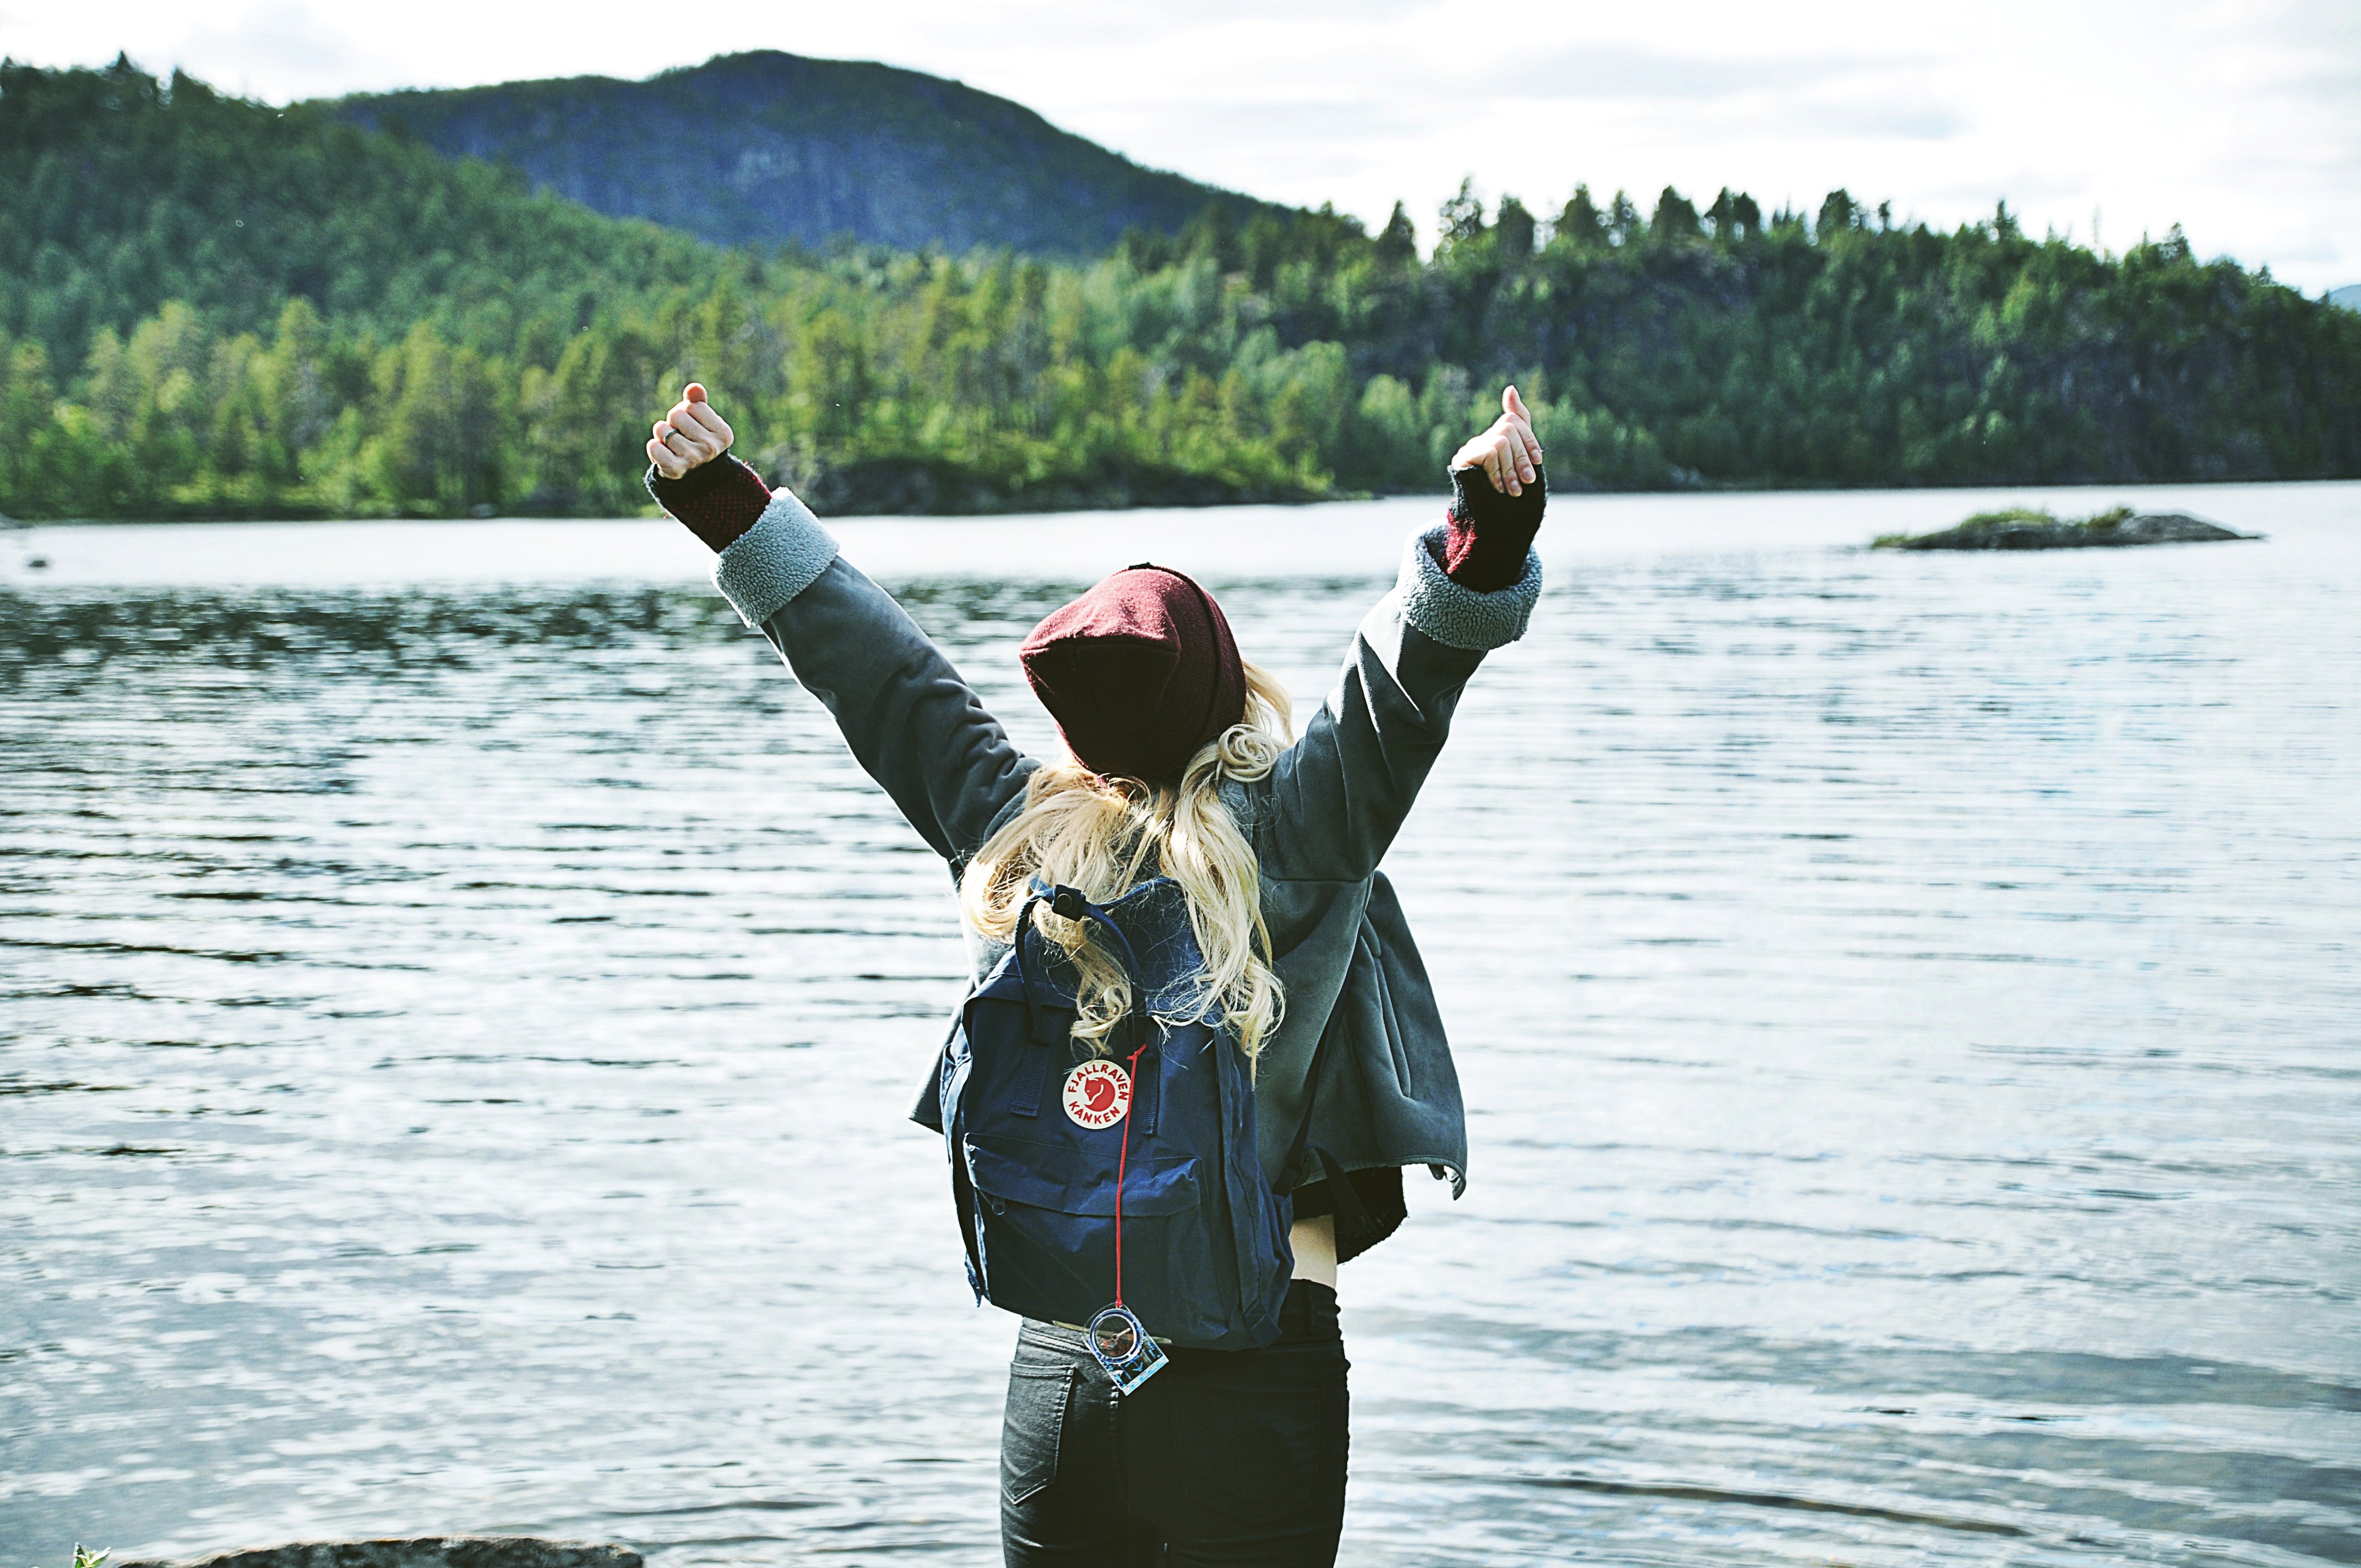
(119,192)
(210,307)
(766,147)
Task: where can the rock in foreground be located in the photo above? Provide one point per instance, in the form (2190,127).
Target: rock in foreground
(2021,528)
(429,1552)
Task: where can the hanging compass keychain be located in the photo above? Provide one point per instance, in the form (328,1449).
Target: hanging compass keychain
(1125,1347)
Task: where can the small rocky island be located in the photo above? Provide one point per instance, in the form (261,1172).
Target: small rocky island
(2026,528)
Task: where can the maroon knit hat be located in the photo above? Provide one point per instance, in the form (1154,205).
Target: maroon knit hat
(1140,673)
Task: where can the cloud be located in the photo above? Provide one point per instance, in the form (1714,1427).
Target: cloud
(1596,71)
(1252,124)
(2022,189)
(1881,119)
(1165,26)
(283,50)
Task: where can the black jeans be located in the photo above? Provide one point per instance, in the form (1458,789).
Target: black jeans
(1233,1458)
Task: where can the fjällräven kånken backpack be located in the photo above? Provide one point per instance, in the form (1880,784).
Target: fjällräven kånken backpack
(1048,1145)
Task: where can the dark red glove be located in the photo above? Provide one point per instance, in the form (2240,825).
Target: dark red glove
(718,500)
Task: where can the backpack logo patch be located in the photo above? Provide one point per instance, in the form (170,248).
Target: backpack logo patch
(1098,1094)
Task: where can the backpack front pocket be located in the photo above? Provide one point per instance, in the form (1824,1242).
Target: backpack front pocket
(1046,1232)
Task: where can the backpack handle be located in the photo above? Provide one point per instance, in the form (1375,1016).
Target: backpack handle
(1025,980)
(1069,903)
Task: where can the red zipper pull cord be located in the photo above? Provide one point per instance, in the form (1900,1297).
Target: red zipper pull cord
(1122,1159)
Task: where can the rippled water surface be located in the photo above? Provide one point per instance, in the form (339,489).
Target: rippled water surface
(458,1004)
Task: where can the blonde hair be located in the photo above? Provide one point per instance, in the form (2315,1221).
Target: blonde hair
(1103,836)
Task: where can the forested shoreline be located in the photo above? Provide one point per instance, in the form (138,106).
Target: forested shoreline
(211,308)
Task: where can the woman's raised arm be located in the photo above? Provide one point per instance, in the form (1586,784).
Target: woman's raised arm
(1467,586)
(908,717)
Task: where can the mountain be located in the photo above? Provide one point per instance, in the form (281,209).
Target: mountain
(2348,296)
(212,307)
(791,148)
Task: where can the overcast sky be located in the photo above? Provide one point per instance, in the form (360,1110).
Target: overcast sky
(2239,119)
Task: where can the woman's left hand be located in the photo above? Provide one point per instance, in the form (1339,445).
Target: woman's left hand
(691,435)
(1507,453)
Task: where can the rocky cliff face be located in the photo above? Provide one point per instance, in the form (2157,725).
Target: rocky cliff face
(807,150)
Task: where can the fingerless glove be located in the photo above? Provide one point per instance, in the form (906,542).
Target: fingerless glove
(718,500)
(1490,529)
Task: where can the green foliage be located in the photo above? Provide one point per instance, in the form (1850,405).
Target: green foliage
(212,308)
(119,193)
(2043,515)
(84,1557)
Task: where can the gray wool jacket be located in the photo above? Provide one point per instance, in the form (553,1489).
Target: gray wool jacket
(1320,822)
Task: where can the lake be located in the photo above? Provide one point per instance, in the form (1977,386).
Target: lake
(459,1003)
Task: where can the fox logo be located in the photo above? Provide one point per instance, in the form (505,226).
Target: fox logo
(1098,1094)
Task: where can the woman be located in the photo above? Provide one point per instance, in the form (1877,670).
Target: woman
(1178,764)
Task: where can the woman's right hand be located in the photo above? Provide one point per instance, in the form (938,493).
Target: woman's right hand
(1507,453)
(690,435)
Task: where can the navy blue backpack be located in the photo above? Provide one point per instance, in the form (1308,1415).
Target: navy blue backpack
(1050,1146)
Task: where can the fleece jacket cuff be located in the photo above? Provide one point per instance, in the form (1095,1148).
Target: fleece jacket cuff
(771,563)
(1455,615)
